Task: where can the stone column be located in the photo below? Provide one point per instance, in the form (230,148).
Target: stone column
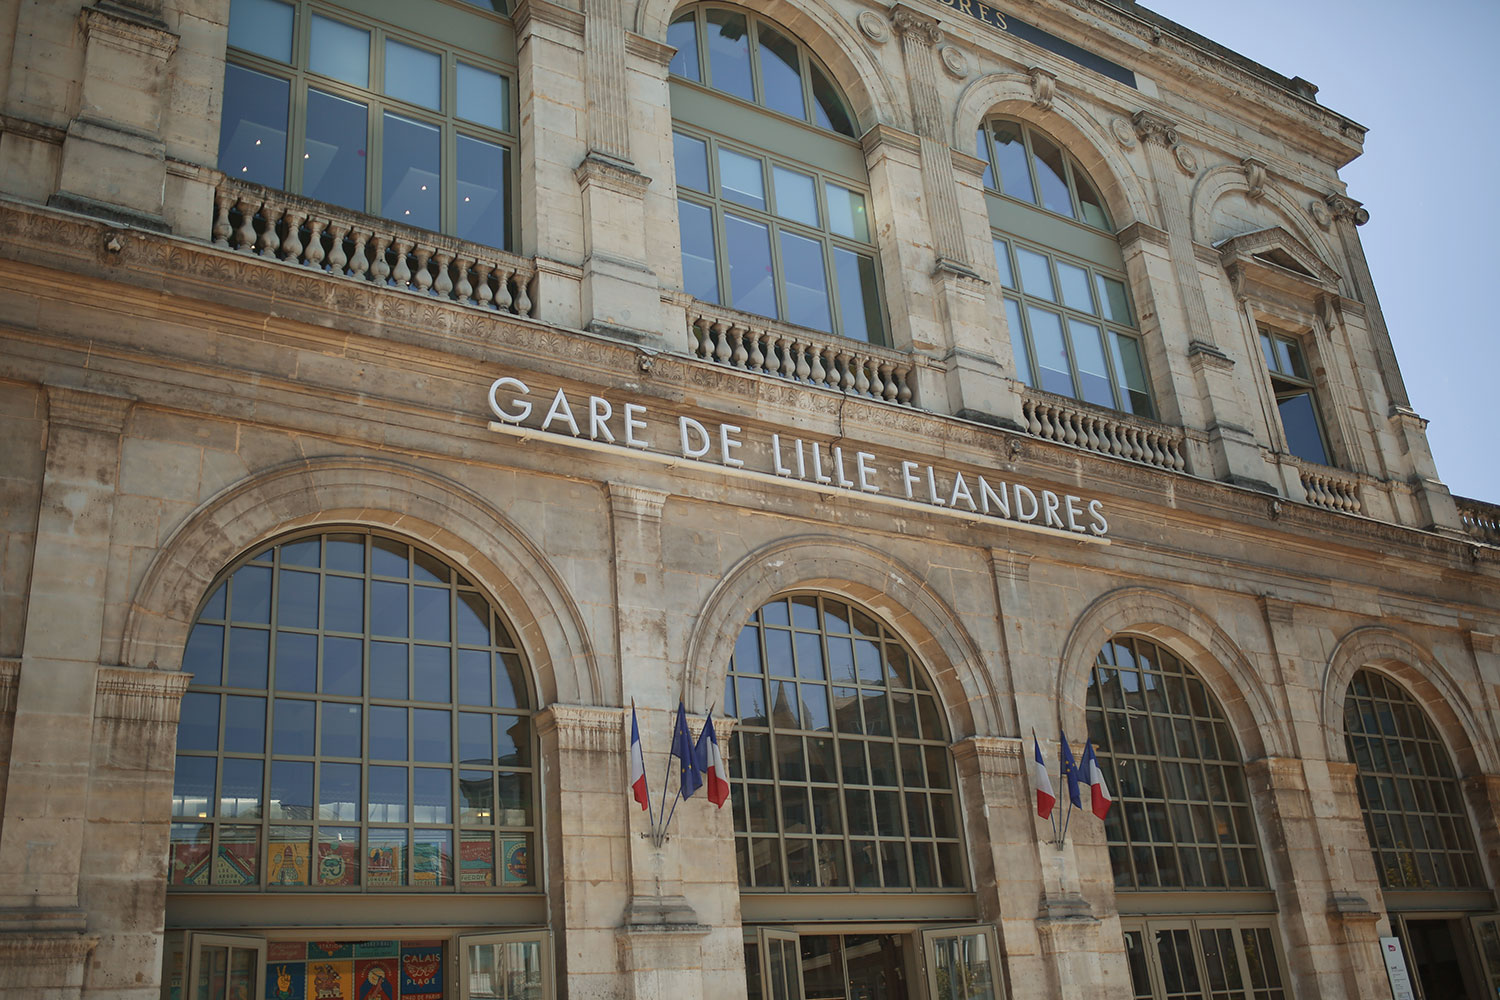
(114,159)
(123,881)
(1236,453)
(43,918)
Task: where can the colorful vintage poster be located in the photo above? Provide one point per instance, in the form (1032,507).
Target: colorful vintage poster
(377,949)
(286,951)
(421,972)
(515,861)
(189,864)
(330,980)
(319,950)
(386,862)
(476,860)
(236,861)
(338,862)
(286,980)
(376,979)
(287,864)
(428,863)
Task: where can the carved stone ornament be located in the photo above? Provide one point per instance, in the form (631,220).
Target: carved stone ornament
(1186,159)
(1255,178)
(909,22)
(1320,213)
(954,61)
(1344,207)
(1124,132)
(1153,128)
(874,27)
(1043,87)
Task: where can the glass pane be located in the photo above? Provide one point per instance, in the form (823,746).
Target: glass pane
(846,213)
(244,724)
(750,283)
(432,795)
(1094,212)
(1010,158)
(476,793)
(187,855)
(263,27)
(729,53)
(1116,304)
(296,662)
(682,35)
(1051,355)
(387,733)
(193,787)
(691,158)
(1048,160)
(291,790)
(482,173)
(333,162)
(1074,281)
(198,723)
(388,608)
(340,730)
(806,282)
(252,135)
(1300,421)
(1290,354)
(387,858)
(340,50)
(431,735)
(1130,373)
(797,196)
(1036,274)
(292,731)
(1002,263)
(387,798)
(249,656)
(859,297)
(741,179)
(338,858)
(829,109)
(506,971)
(409,167)
(238,862)
(413,74)
(700,267)
(338,791)
(780,75)
(1018,341)
(982,150)
(483,97)
(343,604)
(1093,374)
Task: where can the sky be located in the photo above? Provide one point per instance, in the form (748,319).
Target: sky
(1422,78)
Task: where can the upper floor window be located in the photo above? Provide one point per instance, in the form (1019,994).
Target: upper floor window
(1293,386)
(408,117)
(359,718)
(773,195)
(1072,326)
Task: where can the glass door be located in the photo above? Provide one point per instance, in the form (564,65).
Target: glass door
(1486,930)
(961,963)
(515,966)
(226,967)
(780,965)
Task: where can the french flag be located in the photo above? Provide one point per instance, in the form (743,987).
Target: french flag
(1093,774)
(1046,798)
(637,764)
(712,761)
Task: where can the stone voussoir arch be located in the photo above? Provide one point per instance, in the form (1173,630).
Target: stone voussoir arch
(1230,178)
(1190,633)
(371,493)
(869,577)
(855,68)
(1422,676)
(1011,95)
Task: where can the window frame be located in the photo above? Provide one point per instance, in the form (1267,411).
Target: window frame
(381,24)
(993,181)
(1196,925)
(1289,385)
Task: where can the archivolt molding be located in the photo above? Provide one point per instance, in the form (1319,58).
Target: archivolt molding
(1230,178)
(871,578)
(1190,633)
(1424,678)
(374,493)
(1016,95)
(836,41)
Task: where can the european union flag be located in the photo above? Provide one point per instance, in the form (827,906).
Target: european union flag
(1069,770)
(683,749)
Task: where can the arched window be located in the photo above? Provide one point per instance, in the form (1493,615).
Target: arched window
(843,783)
(1182,822)
(355,749)
(397,110)
(1413,808)
(773,195)
(1072,326)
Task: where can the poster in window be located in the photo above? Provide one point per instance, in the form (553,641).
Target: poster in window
(338,862)
(515,861)
(476,860)
(421,971)
(427,864)
(377,949)
(329,949)
(189,863)
(330,980)
(236,861)
(375,979)
(287,864)
(286,980)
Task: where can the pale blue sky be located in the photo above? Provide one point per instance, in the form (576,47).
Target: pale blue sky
(1421,77)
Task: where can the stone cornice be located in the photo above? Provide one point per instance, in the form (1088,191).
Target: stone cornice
(642,47)
(36,131)
(84,410)
(546,12)
(1141,232)
(131,26)
(882,136)
(139,695)
(995,751)
(583,728)
(969,164)
(611,175)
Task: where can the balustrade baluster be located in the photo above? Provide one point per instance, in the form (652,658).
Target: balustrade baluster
(523,293)
(315,253)
(380,267)
(401,273)
(421,274)
(358,261)
(903,394)
(464,289)
(337,259)
(483,294)
(722,351)
(291,244)
(757,357)
(222,229)
(503,297)
(442,284)
(269,242)
(245,235)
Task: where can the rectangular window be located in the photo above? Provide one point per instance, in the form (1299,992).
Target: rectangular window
(1295,399)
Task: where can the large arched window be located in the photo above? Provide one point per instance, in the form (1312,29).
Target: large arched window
(355,749)
(1072,327)
(773,196)
(843,783)
(1182,823)
(385,107)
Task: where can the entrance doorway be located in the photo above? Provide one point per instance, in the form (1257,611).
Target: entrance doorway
(1440,959)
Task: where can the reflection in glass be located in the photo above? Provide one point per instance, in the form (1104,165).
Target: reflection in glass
(263,27)
(806,282)
(729,53)
(682,35)
(796,196)
(1048,160)
(483,178)
(333,157)
(741,179)
(340,50)
(750,284)
(409,164)
(483,97)
(780,75)
(700,269)
(859,296)
(252,135)
(1010,156)
(413,74)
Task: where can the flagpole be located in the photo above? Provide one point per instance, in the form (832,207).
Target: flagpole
(1069,817)
(657,836)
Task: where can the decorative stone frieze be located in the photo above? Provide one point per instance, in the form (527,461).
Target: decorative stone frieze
(583,729)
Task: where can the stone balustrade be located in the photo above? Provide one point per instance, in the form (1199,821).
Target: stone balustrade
(1481,520)
(1108,433)
(767,347)
(306,233)
(1331,489)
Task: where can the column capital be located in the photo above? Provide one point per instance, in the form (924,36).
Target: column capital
(140,694)
(913,24)
(85,410)
(584,727)
(1344,207)
(637,501)
(1155,128)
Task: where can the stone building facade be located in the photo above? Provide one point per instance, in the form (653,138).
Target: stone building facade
(395,393)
